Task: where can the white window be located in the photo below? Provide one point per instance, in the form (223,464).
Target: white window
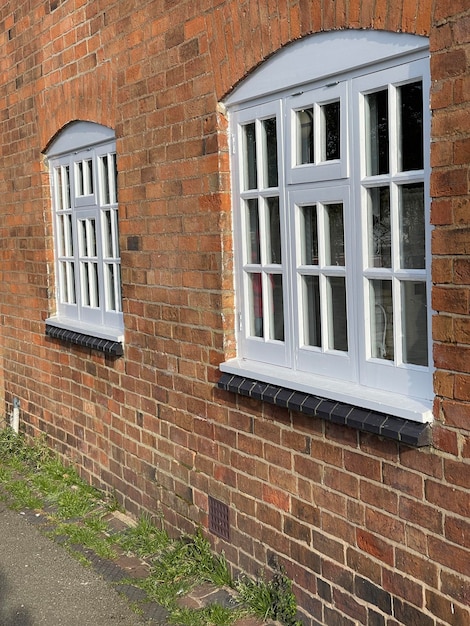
(83,173)
(331,214)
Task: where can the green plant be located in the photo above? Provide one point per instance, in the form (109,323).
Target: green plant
(144,539)
(209,566)
(87,537)
(269,599)
(72,502)
(180,565)
(212,615)
(22,496)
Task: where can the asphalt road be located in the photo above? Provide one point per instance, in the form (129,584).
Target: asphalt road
(41,584)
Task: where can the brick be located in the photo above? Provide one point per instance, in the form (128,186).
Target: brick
(373,594)
(348,605)
(455,586)
(417,567)
(338,576)
(449,499)
(411,616)
(410,483)
(342,482)
(457,531)
(420,514)
(451,357)
(449,555)
(450,299)
(403,587)
(385,525)
(375,546)
(297,530)
(448,63)
(446,610)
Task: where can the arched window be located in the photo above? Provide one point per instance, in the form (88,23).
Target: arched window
(83,175)
(330,178)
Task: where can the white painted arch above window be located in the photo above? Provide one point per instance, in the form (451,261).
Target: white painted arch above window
(78,135)
(330,53)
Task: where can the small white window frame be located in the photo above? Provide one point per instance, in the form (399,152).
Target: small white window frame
(102,317)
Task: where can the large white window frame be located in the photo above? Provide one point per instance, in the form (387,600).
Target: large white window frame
(83,178)
(347,361)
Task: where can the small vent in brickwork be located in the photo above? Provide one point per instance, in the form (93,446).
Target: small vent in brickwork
(219,519)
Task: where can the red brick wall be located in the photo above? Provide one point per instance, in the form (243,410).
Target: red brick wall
(370,532)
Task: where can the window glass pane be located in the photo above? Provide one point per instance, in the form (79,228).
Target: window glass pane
(114,186)
(58,182)
(108,235)
(254,251)
(71,295)
(249,156)
(83,238)
(88,177)
(377,138)
(86,284)
(67,201)
(274,230)
(60,235)
(79,179)
(334,235)
(105,189)
(270,152)
(310,235)
(67,282)
(305,141)
(95,297)
(337,319)
(411,126)
(331,131)
(380,249)
(276,308)
(412,242)
(110,287)
(90,293)
(63,292)
(312,319)
(414,320)
(381,318)
(92,229)
(68,234)
(255,295)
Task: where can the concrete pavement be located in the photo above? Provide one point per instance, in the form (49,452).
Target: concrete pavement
(40,583)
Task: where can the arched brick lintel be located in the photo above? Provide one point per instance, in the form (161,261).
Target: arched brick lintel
(241,38)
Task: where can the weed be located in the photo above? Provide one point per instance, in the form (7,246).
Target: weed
(180,565)
(72,502)
(269,599)
(22,496)
(144,539)
(212,615)
(86,537)
(209,566)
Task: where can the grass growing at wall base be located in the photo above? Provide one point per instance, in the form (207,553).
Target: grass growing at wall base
(32,477)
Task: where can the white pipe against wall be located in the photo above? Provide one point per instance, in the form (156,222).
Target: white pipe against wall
(15,416)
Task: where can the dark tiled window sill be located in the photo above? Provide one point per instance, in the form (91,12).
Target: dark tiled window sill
(109,347)
(405,431)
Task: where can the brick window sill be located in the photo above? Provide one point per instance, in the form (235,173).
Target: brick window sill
(405,431)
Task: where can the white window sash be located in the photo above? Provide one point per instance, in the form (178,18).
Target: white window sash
(412,380)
